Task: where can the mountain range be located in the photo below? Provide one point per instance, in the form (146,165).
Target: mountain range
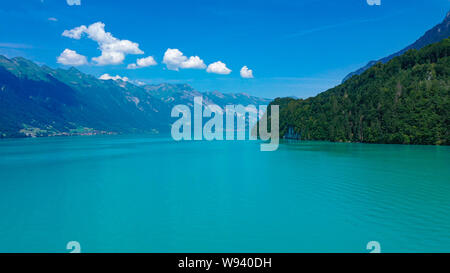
(434,35)
(41,101)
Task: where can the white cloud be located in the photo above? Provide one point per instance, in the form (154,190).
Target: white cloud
(193,62)
(218,68)
(143,62)
(73,2)
(75,33)
(71,57)
(113,50)
(174,60)
(106,77)
(109,57)
(149,61)
(53,19)
(246,73)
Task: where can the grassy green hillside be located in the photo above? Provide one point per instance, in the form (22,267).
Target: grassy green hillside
(404,101)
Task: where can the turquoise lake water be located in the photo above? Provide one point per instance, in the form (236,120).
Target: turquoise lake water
(151,194)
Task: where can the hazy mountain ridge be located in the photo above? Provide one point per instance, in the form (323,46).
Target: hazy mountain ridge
(174,94)
(434,35)
(41,101)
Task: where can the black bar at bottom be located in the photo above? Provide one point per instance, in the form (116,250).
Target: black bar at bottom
(252,262)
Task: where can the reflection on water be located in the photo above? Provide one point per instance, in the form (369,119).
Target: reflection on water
(151,194)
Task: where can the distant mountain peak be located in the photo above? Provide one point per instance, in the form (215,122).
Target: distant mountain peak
(74,70)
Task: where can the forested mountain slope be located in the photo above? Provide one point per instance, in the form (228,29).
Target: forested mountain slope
(403,101)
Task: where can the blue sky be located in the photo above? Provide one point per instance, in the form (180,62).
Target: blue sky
(294,48)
